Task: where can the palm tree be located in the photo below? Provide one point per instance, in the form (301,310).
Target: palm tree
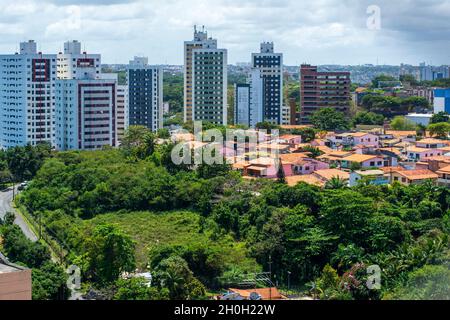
(336,183)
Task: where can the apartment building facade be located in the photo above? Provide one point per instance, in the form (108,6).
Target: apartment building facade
(73,64)
(205,80)
(249,100)
(320,90)
(145,94)
(122,116)
(86,114)
(270,65)
(27,84)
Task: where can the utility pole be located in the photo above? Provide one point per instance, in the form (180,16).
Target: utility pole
(270,277)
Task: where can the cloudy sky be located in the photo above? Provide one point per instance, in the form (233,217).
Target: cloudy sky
(318,32)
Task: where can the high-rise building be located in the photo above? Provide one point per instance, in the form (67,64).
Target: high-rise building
(73,64)
(248,106)
(86,113)
(270,65)
(122,111)
(205,80)
(27,104)
(442,100)
(320,90)
(145,94)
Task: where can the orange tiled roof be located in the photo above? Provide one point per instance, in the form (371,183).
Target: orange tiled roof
(328,174)
(418,174)
(445,170)
(307,178)
(359,158)
(266,293)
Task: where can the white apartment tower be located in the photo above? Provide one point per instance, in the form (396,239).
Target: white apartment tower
(271,66)
(86,102)
(205,80)
(86,113)
(122,116)
(249,100)
(27,84)
(73,64)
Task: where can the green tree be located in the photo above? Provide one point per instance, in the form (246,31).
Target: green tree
(336,183)
(49,282)
(313,152)
(440,117)
(138,142)
(138,289)
(367,118)
(440,130)
(175,275)
(329,119)
(109,252)
(402,124)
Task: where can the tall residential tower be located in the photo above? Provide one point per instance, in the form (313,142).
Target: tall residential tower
(205,80)
(270,65)
(145,94)
(27,104)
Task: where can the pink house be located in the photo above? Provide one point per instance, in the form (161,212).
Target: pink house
(356,139)
(266,168)
(365,161)
(308,166)
(420,154)
(290,139)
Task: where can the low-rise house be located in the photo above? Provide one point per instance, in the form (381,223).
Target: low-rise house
(374,177)
(419,154)
(354,139)
(444,176)
(274,148)
(291,139)
(15,281)
(252,294)
(266,168)
(307,178)
(328,174)
(364,161)
(334,157)
(412,177)
(430,143)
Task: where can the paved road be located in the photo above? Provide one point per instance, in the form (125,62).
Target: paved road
(6,206)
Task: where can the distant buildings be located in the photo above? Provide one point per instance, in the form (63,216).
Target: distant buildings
(27,81)
(320,90)
(431,73)
(270,65)
(205,80)
(145,94)
(442,100)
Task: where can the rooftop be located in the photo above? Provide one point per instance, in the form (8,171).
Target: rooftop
(369,173)
(359,158)
(329,174)
(418,174)
(308,178)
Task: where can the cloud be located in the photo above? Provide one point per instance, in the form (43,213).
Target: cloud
(320,31)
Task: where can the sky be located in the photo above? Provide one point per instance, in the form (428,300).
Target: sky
(317,32)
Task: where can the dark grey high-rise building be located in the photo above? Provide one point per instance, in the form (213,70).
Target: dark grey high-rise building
(145,94)
(271,66)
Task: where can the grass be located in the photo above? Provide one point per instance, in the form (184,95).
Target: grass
(172,228)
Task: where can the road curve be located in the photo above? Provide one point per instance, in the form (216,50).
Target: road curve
(6,198)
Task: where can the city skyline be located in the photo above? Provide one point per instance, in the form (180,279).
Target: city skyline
(326,32)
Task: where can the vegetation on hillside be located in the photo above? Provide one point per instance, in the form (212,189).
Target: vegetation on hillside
(201,229)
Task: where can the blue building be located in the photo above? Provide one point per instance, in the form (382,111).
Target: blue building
(145,94)
(442,100)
